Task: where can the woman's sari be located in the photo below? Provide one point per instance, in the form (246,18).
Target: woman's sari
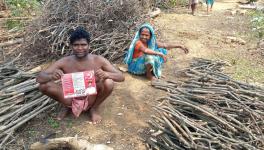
(138,65)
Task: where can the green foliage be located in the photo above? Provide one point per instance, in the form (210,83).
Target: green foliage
(11,24)
(53,123)
(178,2)
(23,7)
(246,71)
(257,22)
(170,3)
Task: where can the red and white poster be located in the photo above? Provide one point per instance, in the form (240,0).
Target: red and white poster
(78,84)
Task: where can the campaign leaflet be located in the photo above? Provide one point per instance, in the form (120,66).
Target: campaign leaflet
(78,84)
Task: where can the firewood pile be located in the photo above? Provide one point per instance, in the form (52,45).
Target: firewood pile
(209,110)
(20,101)
(111,23)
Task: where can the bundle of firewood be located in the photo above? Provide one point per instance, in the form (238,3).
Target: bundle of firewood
(20,101)
(209,110)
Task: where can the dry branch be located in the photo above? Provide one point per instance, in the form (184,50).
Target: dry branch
(15,18)
(11,42)
(11,36)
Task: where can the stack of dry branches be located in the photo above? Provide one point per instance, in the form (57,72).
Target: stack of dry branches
(110,23)
(208,111)
(20,101)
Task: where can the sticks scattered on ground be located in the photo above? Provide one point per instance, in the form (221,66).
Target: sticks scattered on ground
(208,111)
(20,100)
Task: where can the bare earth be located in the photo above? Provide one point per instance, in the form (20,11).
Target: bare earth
(126,112)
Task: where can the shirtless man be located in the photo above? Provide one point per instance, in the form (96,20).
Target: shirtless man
(105,75)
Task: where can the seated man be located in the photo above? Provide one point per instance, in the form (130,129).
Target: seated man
(80,61)
(146,55)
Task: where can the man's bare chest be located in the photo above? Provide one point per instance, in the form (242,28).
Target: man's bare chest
(80,67)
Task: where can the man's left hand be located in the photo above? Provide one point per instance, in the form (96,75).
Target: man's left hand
(102,74)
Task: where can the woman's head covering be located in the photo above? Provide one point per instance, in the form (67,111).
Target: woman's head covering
(151,43)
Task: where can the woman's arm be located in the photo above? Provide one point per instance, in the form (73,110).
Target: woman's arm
(152,52)
(149,51)
(172,45)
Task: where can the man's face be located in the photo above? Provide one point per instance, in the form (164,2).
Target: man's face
(80,48)
(145,35)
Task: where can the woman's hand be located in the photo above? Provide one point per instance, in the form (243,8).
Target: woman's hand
(185,49)
(163,56)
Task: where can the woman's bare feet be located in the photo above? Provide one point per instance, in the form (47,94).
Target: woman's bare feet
(63,113)
(95,117)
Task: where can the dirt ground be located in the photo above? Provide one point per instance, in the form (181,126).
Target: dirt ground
(126,112)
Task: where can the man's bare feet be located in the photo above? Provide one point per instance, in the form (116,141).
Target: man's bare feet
(95,117)
(63,113)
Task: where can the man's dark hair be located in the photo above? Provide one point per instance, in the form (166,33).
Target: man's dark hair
(79,33)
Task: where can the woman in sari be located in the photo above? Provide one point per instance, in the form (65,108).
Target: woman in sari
(146,55)
(209,4)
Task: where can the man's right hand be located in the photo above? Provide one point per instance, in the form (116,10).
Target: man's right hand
(57,74)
